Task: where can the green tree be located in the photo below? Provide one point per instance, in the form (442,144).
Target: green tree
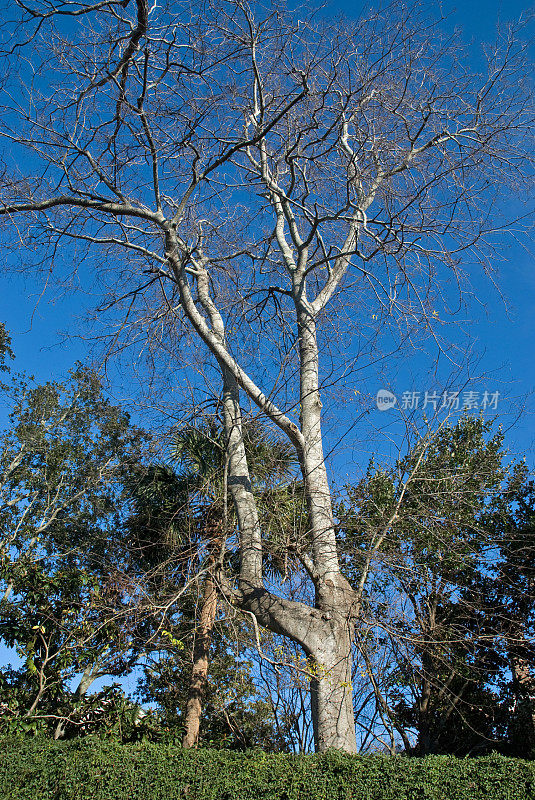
(5,348)
(428,587)
(64,457)
(510,603)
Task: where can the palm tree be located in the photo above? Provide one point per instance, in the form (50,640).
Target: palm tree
(200,453)
(191,494)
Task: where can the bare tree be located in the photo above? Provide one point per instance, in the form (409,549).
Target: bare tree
(253,179)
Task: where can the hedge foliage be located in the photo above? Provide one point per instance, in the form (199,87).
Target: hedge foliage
(92,769)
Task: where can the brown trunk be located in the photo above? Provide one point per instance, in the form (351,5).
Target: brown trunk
(424,745)
(201,648)
(199,672)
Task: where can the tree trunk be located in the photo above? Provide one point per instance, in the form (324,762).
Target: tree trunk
(331,693)
(424,744)
(324,631)
(214,535)
(199,672)
(89,676)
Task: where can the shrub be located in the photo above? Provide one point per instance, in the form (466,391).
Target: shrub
(93,769)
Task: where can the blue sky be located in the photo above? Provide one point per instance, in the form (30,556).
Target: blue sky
(37,318)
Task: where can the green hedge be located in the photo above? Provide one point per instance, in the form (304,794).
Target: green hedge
(91,769)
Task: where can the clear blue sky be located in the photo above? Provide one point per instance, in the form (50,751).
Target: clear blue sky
(504,336)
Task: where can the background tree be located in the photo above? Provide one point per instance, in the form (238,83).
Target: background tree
(433,594)
(64,457)
(5,348)
(510,604)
